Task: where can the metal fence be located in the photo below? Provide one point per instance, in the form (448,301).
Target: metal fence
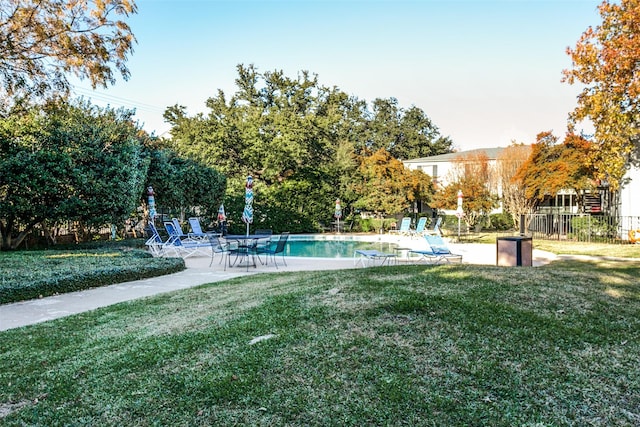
(583,227)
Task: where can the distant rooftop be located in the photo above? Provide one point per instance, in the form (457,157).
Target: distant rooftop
(491,153)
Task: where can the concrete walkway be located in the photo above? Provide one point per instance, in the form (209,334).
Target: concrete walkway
(197,273)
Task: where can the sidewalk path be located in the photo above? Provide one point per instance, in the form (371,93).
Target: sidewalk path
(197,273)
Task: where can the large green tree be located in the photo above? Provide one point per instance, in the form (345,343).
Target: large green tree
(405,134)
(67,161)
(42,41)
(606,60)
(183,186)
(302,142)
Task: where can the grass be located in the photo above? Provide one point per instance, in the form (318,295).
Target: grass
(590,249)
(408,345)
(568,247)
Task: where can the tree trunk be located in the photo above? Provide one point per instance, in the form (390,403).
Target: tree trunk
(9,241)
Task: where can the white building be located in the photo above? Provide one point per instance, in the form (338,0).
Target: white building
(439,167)
(626,205)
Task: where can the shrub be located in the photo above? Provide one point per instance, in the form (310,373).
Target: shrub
(589,227)
(68,271)
(501,221)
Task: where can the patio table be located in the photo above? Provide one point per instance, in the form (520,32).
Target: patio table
(246,247)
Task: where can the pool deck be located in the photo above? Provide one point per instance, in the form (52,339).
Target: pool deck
(197,273)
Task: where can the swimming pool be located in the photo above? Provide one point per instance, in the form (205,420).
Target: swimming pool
(343,248)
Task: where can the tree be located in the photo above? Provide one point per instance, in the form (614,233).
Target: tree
(607,61)
(512,188)
(41,41)
(183,185)
(386,187)
(473,176)
(33,177)
(64,162)
(406,134)
(301,141)
(552,167)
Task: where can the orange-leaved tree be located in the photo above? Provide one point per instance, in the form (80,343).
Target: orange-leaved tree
(606,60)
(553,167)
(43,41)
(384,186)
(473,176)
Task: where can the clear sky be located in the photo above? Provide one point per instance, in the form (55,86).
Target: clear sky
(485,72)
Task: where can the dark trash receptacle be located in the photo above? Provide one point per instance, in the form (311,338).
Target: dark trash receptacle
(514,251)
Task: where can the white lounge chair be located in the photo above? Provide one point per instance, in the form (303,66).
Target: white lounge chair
(422,222)
(371,257)
(437,252)
(183,247)
(405,226)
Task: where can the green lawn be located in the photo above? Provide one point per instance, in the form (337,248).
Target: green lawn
(408,345)
(566,247)
(591,249)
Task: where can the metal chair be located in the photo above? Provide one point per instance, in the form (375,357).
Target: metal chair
(279,249)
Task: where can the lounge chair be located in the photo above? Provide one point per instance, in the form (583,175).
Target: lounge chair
(279,249)
(422,222)
(154,242)
(178,227)
(437,252)
(405,226)
(196,230)
(183,247)
(436,228)
(369,257)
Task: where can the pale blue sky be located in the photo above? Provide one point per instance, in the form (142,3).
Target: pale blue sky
(485,72)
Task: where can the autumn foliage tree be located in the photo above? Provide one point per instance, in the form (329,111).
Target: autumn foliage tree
(512,188)
(385,186)
(472,175)
(553,167)
(42,41)
(606,60)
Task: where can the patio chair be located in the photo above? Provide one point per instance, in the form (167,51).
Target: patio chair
(196,230)
(422,222)
(437,252)
(279,249)
(218,247)
(369,258)
(265,238)
(405,226)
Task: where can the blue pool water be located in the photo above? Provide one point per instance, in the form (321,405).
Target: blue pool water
(332,248)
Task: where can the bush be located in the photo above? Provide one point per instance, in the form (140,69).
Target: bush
(450,222)
(68,271)
(373,225)
(501,222)
(592,227)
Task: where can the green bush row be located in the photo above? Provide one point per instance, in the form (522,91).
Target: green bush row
(140,265)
